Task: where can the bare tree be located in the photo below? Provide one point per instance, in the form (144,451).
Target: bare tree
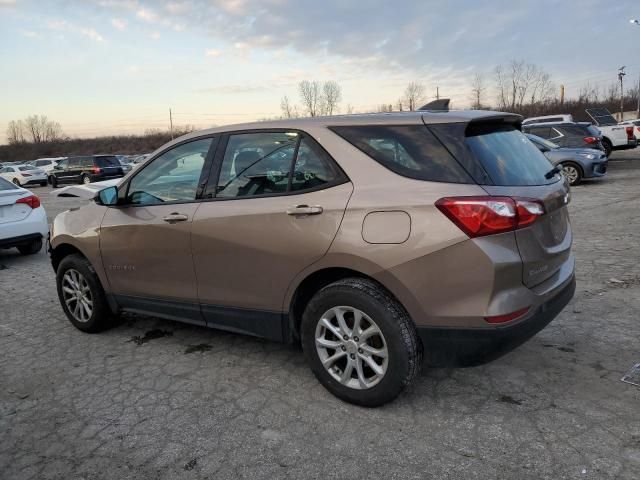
(520,82)
(41,129)
(414,95)
(332,95)
(478,89)
(501,87)
(311,97)
(385,108)
(349,109)
(16,132)
(288,110)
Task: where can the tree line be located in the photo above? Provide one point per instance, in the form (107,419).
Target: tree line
(518,87)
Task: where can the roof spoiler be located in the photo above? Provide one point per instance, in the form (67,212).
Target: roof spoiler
(439,105)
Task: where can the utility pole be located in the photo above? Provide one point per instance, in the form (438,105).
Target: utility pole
(638,95)
(561,95)
(437,93)
(171,123)
(621,75)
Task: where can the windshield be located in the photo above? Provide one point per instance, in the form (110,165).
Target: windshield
(508,156)
(536,139)
(6,185)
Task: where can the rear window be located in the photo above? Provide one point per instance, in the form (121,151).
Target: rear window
(508,157)
(579,130)
(6,185)
(25,168)
(408,150)
(107,162)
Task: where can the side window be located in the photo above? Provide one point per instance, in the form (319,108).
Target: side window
(63,163)
(86,162)
(408,150)
(543,132)
(74,162)
(172,177)
(257,164)
(313,167)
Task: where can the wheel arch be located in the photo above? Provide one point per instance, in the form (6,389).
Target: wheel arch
(61,251)
(313,282)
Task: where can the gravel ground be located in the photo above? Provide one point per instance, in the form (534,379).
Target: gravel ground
(155,399)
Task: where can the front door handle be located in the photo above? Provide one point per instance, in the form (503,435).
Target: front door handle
(305,210)
(175,217)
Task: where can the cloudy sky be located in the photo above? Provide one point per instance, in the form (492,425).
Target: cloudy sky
(107,66)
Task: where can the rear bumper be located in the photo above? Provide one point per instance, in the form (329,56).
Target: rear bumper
(468,347)
(33,226)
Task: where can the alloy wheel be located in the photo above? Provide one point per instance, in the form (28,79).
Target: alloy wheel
(351,347)
(571,173)
(77,295)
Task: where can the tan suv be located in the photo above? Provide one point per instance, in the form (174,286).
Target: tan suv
(374,240)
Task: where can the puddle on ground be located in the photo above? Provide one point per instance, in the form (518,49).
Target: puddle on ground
(151,335)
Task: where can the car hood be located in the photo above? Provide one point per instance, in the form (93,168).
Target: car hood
(88,191)
(575,153)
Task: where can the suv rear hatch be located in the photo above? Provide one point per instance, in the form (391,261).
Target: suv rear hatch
(505,163)
(109,166)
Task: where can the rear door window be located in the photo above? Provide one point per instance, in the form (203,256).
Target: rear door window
(408,150)
(508,157)
(544,132)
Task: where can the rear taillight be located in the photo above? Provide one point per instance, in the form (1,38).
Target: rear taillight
(591,139)
(480,216)
(31,200)
(629,133)
(507,317)
(95,170)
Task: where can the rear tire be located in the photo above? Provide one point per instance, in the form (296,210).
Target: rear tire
(86,179)
(81,295)
(31,248)
(395,349)
(16,182)
(608,147)
(572,172)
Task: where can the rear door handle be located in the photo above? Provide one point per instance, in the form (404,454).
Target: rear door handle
(176,217)
(305,210)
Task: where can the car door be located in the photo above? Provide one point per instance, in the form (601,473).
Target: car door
(145,241)
(277,200)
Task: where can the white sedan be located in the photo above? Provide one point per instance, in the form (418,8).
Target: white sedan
(24,175)
(23,221)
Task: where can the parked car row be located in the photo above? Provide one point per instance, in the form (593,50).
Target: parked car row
(605,133)
(73,169)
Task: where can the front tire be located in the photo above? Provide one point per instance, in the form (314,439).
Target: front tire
(360,342)
(608,147)
(53,181)
(572,172)
(31,248)
(81,295)
(43,184)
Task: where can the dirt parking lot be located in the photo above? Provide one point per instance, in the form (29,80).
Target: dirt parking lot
(154,399)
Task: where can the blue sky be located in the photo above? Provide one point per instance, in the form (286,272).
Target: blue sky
(116,66)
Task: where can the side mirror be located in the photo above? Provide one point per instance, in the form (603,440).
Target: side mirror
(107,197)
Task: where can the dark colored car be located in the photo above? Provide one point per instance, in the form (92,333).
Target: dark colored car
(86,169)
(566,134)
(576,163)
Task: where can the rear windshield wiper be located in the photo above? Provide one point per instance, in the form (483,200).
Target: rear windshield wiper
(552,172)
